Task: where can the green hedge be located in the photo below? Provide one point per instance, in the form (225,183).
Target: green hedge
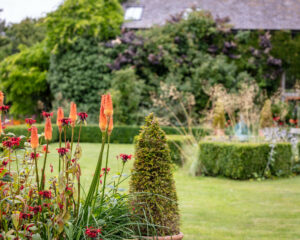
(92,133)
(244,160)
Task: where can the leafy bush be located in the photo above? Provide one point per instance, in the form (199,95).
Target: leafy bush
(73,19)
(244,160)
(81,75)
(23,78)
(152,180)
(126,91)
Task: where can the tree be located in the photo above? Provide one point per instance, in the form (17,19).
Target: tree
(152,181)
(23,79)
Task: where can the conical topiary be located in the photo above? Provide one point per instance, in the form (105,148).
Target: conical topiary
(266,119)
(152,182)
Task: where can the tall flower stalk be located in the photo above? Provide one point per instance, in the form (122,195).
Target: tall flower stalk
(48,137)
(60,116)
(106,112)
(34,141)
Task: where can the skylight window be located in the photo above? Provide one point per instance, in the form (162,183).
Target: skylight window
(188,11)
(133,13)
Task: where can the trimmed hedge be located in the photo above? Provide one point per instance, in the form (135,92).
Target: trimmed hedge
(244,160)
(176,144)
(92,133)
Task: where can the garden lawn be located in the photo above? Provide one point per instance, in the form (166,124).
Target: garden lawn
(216,208)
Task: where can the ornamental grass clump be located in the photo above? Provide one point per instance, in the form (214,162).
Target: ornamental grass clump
(266,118)
(152,182)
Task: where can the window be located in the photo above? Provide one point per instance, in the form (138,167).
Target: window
(133,13)
(188,11)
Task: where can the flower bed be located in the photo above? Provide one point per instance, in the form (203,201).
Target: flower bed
(244,160)
(33,206)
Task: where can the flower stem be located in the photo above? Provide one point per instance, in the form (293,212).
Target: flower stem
(59,157)
(36,171)
(105,173)
(44,166)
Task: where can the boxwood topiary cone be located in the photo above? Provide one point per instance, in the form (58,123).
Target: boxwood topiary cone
(152,177)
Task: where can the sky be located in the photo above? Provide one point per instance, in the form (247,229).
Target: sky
(16,10)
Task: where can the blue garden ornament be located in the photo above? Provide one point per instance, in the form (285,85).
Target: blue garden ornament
(241,131)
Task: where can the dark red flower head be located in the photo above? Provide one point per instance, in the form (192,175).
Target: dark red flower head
(4,108)
(92,232)
(34,155)
(30,121)
(35,209)
(66,121)
(125,157)
(12,142)
(62,151)
(83,116)
(45,194)
(47,115)
(106,170)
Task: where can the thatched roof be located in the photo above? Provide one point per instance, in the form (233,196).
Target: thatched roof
(243,14)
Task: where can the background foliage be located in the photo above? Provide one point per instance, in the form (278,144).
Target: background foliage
(190,54)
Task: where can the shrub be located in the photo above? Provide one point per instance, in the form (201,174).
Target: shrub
(126,91)
(244,160)
(152,180)
(23,78)
(86,18)
(176,144)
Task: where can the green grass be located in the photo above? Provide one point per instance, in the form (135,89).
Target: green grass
(215,208)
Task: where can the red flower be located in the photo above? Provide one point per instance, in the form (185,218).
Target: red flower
(30,121)
(22,187)
(25,216)
(125,157)
(65,121)
(15,141)
(4,163)
(92,232)
(82,116)
(45,194)
(7,144)
(1,170)
(60,205)
(292,121)
(106,170)
(34,155)
(45,149)
(35,209)
(4,108)
(276,119)
(47,115)
(62,151)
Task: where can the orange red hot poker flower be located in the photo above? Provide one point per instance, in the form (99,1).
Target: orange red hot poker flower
(106,113)
(108,106)
(34,140)
(73,113)
(59,117)
(48,129)
(1,98)
(102,117)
